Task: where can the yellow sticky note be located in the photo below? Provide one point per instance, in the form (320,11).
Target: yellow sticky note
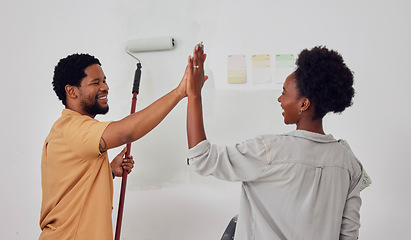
(236,69)
(261,68)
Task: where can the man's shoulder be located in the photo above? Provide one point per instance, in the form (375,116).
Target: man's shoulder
(70,122)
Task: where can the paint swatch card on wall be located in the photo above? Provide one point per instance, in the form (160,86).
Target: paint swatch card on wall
(261,68)
(236,69)
(284,66)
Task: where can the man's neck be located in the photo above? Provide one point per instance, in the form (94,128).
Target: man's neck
(80,111)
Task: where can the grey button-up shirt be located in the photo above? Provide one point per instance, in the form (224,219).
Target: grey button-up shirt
(300,185)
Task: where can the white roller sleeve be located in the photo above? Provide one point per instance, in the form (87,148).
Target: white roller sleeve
(150,44)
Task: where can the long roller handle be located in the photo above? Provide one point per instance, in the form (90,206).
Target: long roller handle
(137,76)
(136,86)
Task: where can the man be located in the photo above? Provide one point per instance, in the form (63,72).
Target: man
(76,174)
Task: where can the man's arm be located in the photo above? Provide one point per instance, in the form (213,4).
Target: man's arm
(138,124)
(195,82)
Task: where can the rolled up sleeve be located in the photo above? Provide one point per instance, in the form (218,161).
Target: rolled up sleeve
(245,161)
(350,224)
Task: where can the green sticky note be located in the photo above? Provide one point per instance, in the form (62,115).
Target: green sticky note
(284,60)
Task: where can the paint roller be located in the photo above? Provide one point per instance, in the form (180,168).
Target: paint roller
(133,46)
(149,44)
(146,45)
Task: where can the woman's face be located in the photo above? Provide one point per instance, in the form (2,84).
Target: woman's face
(290,101)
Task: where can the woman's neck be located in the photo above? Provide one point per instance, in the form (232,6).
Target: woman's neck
(310,125)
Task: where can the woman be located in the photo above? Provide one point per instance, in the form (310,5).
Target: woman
(301,185)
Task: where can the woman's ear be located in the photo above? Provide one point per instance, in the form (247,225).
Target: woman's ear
(305,104)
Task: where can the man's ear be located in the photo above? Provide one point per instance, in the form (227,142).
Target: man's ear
(70,91)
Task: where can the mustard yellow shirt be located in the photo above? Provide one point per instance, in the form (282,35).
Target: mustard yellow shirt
(76,181)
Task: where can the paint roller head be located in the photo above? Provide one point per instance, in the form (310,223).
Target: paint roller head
(150,44)
(146,45)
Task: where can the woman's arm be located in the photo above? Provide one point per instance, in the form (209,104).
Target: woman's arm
(195,82)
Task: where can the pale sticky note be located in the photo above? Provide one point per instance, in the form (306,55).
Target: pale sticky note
(284,60)
(284,66)
(261,68)
(236,69)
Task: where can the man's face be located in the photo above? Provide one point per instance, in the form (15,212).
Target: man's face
(93,91)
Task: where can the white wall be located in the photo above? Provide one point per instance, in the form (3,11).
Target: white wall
(165,200)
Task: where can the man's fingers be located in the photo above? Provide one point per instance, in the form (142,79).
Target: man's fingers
(123,151)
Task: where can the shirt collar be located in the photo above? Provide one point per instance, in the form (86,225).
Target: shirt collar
(316,137)
(67,111)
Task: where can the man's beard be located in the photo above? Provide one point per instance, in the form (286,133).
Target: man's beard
(94,108)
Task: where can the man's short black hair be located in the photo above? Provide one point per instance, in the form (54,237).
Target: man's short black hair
(324,79)
(70,71)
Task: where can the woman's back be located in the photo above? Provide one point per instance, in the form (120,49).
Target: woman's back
(308,190)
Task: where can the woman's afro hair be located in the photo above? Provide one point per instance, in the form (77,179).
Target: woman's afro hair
(70,71)
(324,79)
